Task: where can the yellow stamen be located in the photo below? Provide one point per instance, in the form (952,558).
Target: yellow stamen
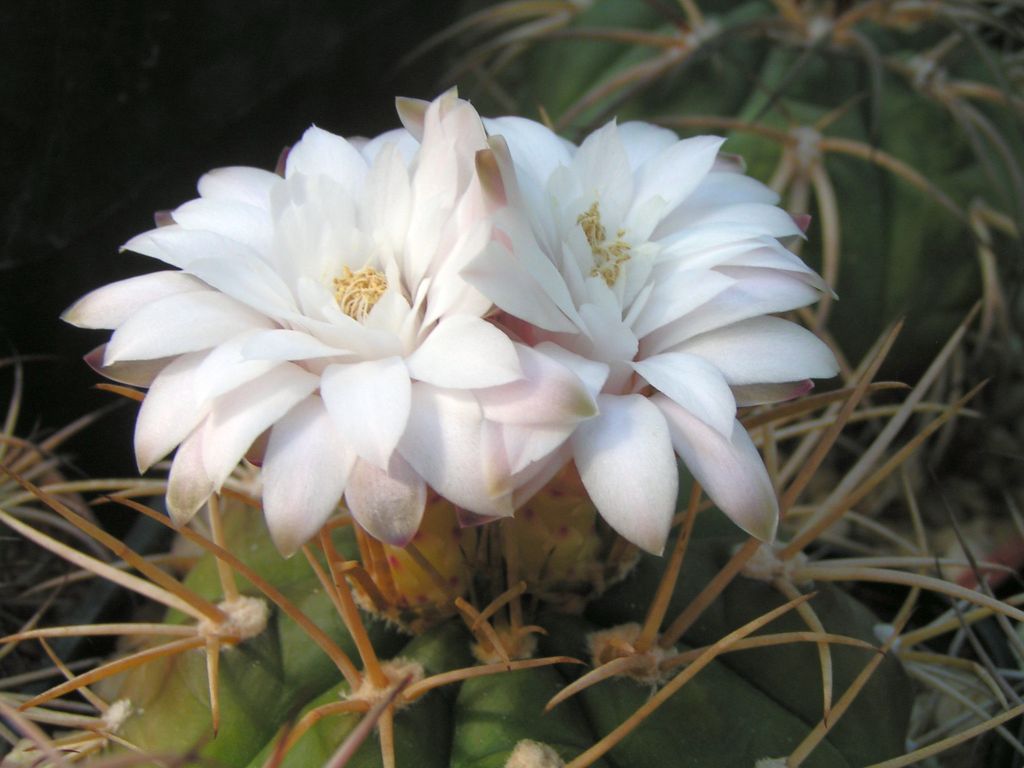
(357,292)
(608,256)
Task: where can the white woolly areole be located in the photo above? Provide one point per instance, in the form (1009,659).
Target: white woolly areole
(246,617)
(396,671)
(533,754)
(116,715)
(771,762)
(609,644)
(766,565)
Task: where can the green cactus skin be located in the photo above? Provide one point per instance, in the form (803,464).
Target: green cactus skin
(746,706)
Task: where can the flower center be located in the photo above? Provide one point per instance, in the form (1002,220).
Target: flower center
(357,292)
(608,256)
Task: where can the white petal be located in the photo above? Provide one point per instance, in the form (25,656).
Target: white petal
(179,247)
(388,505)
(238,221)
(674,173)
(225,368)
(729,469)
(765,219)
(185,322)
(693,383)
(507,282)
(602,167)
(239,417)
(444,444)
(113,304)
(645,140)
(676,295)
(305,469)
(536,150)
(549,394)
(251,186)
(188,485)
(624,456)
(764,350)
(388,198)
(249,279)
(321,153)
(465,352)
(282,344)
(369,402)
(170,411)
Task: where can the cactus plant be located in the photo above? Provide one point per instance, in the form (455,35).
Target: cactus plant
(543,638)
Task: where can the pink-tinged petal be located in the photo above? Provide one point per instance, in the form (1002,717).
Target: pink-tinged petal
(188,485)
(693,383)
(548,394)
(305,469)
(170,411)
(444,443)
(185,322)
(239,417)
(321,153)
(764,350)
(464,352)
(369,403)
(729,469)
(592,373)
(675,173)
(388,505)
(403,141)
(111,305)
(237,221)
(760,394)
(624,457)
(517,446)
(251,186)
(136,374)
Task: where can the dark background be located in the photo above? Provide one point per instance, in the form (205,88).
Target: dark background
(110,111)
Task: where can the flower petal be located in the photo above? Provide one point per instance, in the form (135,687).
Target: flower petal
(624,456)
(305,470)
(242,184)
(369,403)
(729,468)
(111,305)
(693,383)
(184,322)
(320,152)
(548,394)
(465,352)
(170,412)
(239,417)
(444,443)
(764,350)
(188,485)
(675,173)
(388,505)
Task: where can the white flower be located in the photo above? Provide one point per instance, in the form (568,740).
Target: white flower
(324,311)
(651,266)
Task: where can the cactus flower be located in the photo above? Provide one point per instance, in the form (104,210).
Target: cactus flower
(652,266)
(316,320)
